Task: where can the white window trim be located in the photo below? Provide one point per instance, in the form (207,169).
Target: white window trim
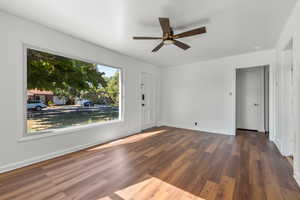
(72,129)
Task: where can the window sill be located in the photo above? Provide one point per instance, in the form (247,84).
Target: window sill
(62,131)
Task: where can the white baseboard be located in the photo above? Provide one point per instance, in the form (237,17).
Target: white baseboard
(282,151)
(158,124)
(149,126)
(16,165)
(277,144)
(220,132)
(297,178)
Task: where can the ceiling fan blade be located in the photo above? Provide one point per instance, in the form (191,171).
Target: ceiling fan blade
(191,33)
(165,25)
(158,47)
(147,38)
(181,45)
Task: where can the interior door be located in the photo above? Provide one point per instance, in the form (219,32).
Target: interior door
(147,100)
(249,88)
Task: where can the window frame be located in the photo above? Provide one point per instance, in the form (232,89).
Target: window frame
(72,129)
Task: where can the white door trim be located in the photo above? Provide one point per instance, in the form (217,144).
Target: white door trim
(254,110)
(272,93)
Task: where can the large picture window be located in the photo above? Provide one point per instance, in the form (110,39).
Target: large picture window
(66,92)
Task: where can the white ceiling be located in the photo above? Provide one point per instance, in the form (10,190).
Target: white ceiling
(233,26)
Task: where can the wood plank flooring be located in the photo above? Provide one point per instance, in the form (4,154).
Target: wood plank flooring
(163,163)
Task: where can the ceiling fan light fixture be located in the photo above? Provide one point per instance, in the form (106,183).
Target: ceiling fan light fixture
(168,37)
(168,42)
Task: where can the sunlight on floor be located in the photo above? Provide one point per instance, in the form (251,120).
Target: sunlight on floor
(128,140)
(152,188)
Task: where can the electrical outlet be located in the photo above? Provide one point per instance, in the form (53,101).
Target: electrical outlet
(196,123)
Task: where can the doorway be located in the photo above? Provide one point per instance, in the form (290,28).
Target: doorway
(252,99)
(147,100)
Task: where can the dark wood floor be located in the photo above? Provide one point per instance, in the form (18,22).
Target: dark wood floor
(164,163)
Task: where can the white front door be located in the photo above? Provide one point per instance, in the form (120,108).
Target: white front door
(249,99)
(147,100)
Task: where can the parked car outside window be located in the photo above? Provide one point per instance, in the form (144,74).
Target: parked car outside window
(35,105)
(88,104)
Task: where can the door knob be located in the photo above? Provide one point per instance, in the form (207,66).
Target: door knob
(256,104)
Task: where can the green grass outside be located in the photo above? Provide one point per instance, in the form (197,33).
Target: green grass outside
(62,120)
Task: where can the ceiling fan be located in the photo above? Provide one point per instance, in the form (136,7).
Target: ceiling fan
(169,37)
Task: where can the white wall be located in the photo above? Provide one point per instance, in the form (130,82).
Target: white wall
(15,153)
(201,92)
(291,31)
